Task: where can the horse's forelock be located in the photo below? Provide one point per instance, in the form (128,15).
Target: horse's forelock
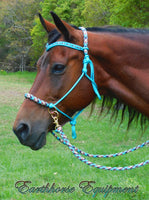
(53,36)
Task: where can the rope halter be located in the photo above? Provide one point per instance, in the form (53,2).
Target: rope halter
(54,114)
(86,62)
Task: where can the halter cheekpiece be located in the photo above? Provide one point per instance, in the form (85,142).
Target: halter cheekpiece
(54,114)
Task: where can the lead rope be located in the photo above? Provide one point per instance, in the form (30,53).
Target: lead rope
(77,152)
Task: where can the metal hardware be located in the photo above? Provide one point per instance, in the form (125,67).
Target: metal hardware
(54,114)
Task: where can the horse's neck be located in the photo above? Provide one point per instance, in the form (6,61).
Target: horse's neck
(121,68)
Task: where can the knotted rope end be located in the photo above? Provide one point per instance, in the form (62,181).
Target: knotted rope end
(73,123)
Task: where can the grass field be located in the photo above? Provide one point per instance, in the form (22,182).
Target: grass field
(55,165)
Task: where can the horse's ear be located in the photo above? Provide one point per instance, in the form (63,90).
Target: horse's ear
(46,24)
(67,30)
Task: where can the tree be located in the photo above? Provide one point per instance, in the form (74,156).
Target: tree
(17,19)
(132,13)
(97,13)
(68,10)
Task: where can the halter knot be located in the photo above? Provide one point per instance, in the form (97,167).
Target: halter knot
(86,59)
(73,123)
(51,105)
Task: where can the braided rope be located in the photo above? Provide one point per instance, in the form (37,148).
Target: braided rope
(77,153)
(66,44)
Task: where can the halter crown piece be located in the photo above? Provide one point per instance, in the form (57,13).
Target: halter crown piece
(86,62)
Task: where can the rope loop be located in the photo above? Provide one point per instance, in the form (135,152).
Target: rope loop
(51,105)
(73,122)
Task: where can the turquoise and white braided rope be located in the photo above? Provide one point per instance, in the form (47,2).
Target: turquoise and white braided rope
(77,153)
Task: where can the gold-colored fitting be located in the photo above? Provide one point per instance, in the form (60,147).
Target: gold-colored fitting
(54,114)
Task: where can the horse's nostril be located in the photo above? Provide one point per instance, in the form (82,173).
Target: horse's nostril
(22,132)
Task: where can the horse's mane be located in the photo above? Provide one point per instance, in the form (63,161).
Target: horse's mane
(115,107)
(54,34)
(109,103)
(118,29)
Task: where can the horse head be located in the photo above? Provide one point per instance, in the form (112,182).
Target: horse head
(57,71)
(120,58)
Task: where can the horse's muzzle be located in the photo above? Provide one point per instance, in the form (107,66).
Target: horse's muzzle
(34,141)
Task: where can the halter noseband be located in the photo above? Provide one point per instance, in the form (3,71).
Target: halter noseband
(86,62)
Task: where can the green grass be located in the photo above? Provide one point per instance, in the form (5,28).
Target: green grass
(55,163)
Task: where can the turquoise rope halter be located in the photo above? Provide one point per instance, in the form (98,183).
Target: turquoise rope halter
(63,139)
(86,62)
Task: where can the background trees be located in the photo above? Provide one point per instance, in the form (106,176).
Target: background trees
(68,10)
(22,37)
(16,21)
(97,13)
(132,13)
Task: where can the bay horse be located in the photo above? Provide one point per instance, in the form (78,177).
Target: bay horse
(120,57)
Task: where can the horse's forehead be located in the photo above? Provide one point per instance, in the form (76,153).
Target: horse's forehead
(57,54)
(43,60)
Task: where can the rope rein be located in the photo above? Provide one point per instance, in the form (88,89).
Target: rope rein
(77,153)
(54,114)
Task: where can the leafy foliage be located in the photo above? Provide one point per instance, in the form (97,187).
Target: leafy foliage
(16,21)
(97,13)
(132,13)
(69,10)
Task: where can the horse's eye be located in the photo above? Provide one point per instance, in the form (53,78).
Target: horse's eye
(58,68)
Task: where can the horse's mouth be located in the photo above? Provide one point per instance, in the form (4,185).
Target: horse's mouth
(40,142)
